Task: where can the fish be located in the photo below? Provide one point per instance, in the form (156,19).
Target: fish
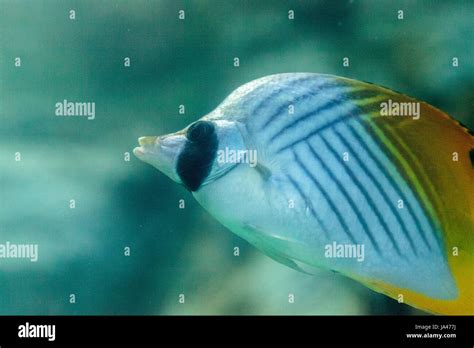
(346,176)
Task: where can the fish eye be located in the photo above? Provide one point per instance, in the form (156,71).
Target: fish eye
(199,131)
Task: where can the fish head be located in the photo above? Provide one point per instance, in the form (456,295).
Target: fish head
(191,156)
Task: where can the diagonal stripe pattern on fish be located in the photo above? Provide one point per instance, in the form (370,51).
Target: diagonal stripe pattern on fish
(338,165)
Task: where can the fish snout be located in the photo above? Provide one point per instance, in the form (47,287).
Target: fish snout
(161,152)
(146,145)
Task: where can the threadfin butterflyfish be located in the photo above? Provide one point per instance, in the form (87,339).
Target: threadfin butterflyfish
(346,176)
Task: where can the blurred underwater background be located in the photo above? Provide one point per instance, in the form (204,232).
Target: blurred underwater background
(173,62)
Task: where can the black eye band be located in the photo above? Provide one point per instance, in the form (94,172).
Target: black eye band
(198,132)
(196,159)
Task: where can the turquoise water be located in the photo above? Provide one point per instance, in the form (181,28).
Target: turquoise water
(123,204)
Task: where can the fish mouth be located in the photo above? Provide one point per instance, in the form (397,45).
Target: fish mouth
(146,143)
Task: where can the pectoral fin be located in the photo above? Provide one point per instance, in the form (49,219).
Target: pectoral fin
(267,242)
